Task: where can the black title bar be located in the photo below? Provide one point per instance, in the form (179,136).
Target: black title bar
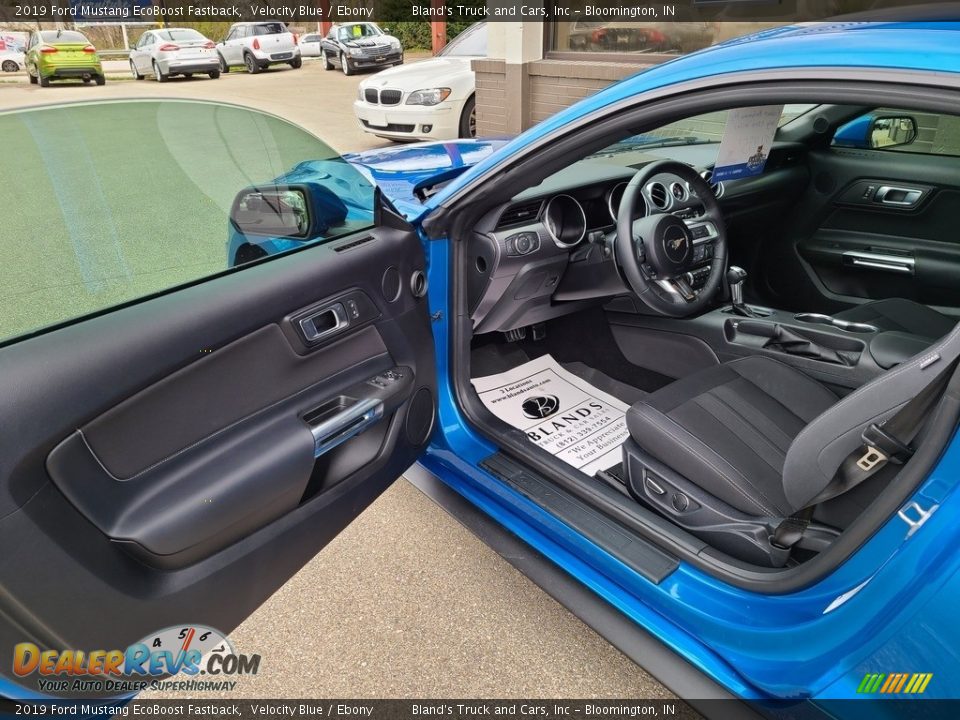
(301,11)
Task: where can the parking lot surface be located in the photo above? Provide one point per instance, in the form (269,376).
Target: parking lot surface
(317,100)
(406,602)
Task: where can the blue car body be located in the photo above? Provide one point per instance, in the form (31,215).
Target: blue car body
(397,171)
(889,607)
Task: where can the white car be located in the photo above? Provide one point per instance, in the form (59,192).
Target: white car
(429,100)
(258,45)
(173,51)
(11,61)
(310,45)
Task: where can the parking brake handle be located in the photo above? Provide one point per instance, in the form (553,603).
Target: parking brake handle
(791,343)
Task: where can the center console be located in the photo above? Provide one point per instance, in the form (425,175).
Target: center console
(843,354)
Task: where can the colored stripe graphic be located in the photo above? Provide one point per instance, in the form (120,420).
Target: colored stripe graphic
(894,683)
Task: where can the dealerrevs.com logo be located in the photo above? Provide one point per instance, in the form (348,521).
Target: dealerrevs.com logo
(187,651)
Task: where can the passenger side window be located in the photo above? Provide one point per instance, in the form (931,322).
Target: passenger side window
(107,212)
(895,130)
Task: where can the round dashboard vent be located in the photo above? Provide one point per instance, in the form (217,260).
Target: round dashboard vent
(565,220)
(717,187)
(658,195)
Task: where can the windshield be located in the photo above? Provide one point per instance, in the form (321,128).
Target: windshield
(269,29)
(696,130)
(180,35)
(62,36)
(358,30)
(470,43)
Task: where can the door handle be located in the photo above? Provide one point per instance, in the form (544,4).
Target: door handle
(878,261)
(347,423)
(319,325)
(897,196)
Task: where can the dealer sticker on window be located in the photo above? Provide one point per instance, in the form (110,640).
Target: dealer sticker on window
(746,141)
(560,412)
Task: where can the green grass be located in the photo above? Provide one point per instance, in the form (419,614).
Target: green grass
(114,201)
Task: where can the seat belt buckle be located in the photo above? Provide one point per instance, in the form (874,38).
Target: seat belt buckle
(871,458)
(881,447)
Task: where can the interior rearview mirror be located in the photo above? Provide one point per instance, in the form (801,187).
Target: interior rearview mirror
(887,131)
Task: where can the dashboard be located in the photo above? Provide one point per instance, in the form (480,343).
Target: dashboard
(549,251)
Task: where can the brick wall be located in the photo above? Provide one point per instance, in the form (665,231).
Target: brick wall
(491,97)
(556,84)
(512,99)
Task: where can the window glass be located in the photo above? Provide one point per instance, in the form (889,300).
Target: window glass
(696,130)
(121,200)
(269,29)
(471,43)
(183,35)
(671,38)
(897,130)
(358,30)
(62,36)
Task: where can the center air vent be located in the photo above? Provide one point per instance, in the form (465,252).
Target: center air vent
(520,214)
(717,187)
(658,195)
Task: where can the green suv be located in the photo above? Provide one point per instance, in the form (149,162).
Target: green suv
(55,54)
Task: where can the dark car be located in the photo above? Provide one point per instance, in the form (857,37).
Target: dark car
(353,46)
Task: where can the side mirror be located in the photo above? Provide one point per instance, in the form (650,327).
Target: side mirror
(300,212)
(887,131)
(877,132)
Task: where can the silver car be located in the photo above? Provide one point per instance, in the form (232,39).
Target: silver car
(174,51)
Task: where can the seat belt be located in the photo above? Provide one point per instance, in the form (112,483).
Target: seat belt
(883,443)
(889,441)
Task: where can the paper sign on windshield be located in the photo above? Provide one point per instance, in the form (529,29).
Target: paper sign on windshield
(746,142)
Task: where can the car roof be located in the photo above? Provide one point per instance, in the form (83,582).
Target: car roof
(888,46)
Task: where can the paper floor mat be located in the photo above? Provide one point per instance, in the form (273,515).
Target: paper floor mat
(559,411)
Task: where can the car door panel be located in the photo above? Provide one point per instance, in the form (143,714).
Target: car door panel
(846,244)
(164,464)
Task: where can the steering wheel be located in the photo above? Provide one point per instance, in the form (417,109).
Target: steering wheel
(657,251)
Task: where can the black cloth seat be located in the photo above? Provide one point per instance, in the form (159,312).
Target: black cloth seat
(900,315)
(727,429)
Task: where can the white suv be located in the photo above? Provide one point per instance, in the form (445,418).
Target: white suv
(257,45)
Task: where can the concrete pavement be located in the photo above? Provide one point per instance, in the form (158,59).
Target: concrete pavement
(406,603)
(317,100)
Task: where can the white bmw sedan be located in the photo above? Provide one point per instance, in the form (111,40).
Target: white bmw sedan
(174,51)
(429,100)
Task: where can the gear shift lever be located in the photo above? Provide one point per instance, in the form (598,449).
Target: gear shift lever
(735,277)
